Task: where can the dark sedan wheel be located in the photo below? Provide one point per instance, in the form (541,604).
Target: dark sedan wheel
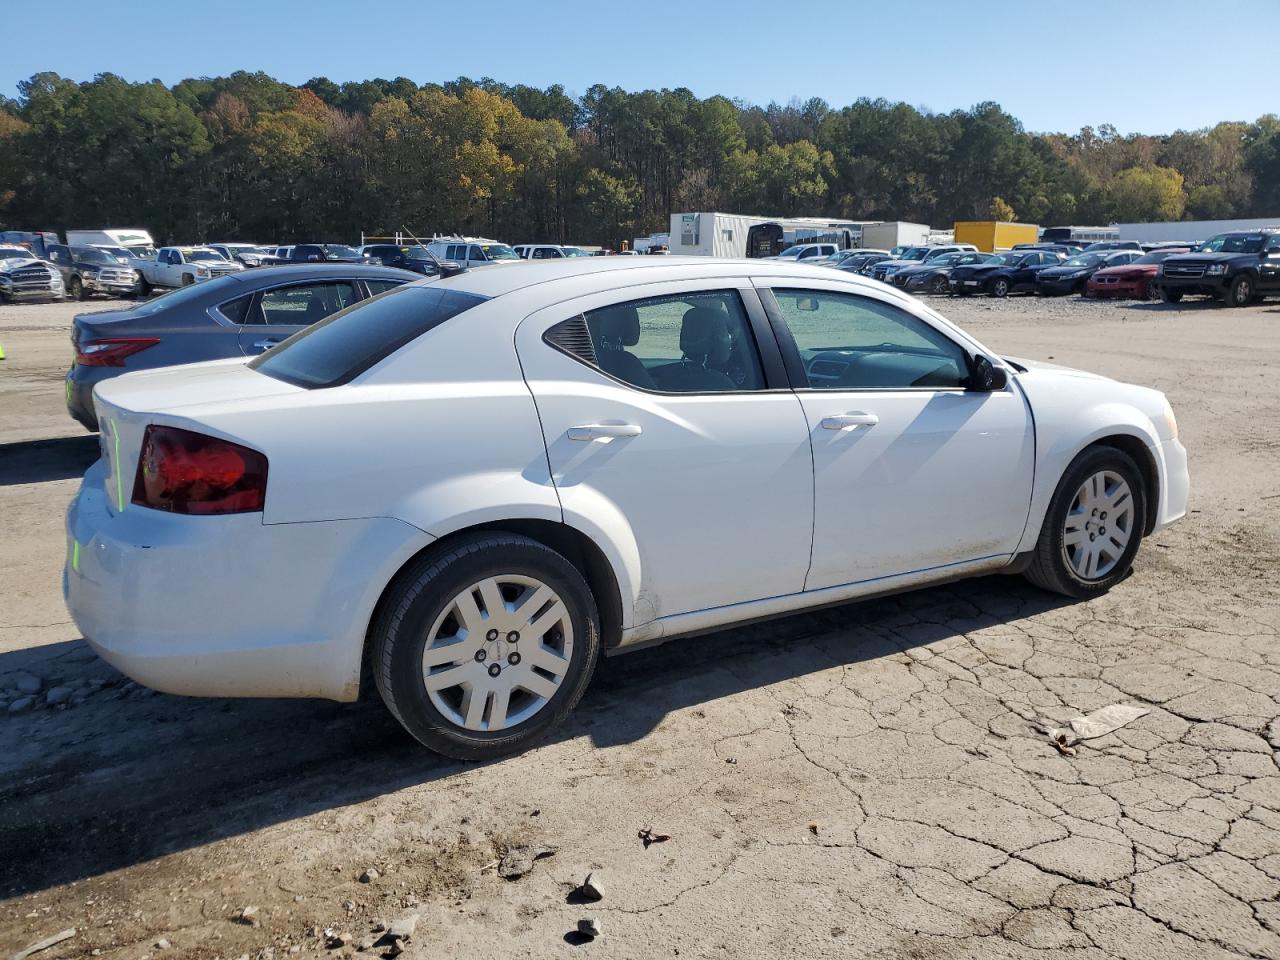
(939,284)
(1000,287)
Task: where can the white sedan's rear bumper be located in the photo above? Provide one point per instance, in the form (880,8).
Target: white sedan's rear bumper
(228,606)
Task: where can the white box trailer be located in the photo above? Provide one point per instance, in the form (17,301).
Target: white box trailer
(134,239)
(743,235)
(894,233)
(1189,230)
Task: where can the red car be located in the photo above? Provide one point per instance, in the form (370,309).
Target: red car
(1131,280)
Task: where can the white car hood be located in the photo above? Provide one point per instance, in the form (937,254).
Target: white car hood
(1040,366)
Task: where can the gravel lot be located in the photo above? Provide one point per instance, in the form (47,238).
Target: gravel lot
(864,781)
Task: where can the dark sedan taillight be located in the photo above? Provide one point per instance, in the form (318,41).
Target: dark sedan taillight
(111,351)
(181,471)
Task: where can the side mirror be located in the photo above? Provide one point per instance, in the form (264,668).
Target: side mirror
(448,268)
(985,376)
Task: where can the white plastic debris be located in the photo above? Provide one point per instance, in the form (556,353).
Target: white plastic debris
(1096,724)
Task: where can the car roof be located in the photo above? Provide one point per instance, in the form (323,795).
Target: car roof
(264,276)
(580,276)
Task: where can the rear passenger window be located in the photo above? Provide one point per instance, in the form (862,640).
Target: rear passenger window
(849,342)
(304,304)
(691,343)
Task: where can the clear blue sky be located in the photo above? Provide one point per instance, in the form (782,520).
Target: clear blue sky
(1147,67)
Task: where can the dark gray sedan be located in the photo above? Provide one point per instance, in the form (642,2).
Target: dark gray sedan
(239,315)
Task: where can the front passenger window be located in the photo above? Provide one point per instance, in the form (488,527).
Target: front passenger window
(849,342)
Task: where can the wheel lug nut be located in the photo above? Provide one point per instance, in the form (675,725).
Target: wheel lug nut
(480,656)
(1092,536)
(491,635)
(1103,515)
(513,659)
(513,637)
(495,669)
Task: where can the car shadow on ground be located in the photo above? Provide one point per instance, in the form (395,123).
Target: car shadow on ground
(37,461)
(125,777)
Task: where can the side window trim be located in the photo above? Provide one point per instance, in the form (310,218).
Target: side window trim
(767,351)
(799,377)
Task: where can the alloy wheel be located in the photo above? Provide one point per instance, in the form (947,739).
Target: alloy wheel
(1099,525)
(498,653)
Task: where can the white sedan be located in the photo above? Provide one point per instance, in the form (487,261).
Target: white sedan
(470,488)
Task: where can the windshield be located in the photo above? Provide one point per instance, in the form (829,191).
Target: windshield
(945,259)
(10,253)
(92,255)
(915,253)
(972,258)
(416,253)
(197,256)
(898,251)
(499,251)
(1005,259)
(792,252)
(575,252)
(1158,256)
(1085,260)
(1234,243)
(338,250)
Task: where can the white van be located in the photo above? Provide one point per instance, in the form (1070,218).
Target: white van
(472,251)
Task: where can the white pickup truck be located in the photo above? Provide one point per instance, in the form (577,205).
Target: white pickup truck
(181,266)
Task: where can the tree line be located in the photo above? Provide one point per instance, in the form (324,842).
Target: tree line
(249,157)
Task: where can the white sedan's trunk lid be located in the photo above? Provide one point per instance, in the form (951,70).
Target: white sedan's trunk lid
(126,405)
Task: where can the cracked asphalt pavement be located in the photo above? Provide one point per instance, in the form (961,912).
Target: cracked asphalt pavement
(865,781)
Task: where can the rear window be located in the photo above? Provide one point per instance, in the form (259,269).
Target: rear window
(341,347)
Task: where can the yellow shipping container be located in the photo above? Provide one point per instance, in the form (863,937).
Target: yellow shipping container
(992,236)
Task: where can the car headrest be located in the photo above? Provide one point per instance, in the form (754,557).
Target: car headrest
(618,326)
(704,335)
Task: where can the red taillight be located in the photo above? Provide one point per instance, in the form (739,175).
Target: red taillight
(111,351)
(185,472)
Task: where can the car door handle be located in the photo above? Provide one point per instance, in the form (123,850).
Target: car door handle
(847,421)
(604,431)
(267,344)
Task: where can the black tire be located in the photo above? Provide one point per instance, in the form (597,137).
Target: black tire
(999,287)
(1241,292)
(1170,296)
(188,279)
(1049,568)
(76,289)
(144,286)
(423,592)
(939,285)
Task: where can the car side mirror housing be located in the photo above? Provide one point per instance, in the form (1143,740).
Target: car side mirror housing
(985,376)
(448,268)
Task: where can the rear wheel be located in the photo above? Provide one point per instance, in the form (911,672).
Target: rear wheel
(1093,526)
(1170,296)
(1240,293)
(999,287)
(486,648)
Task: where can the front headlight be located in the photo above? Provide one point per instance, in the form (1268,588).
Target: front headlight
(1216,269)
(202,271)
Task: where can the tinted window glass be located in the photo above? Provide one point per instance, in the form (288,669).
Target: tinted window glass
(346,344)
(236,310)
(303,304)
(381,286)
(691,343)
(849,342)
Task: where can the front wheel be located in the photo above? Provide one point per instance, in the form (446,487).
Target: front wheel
(188,279)
(939,285)
(1093,526)
(483,650)
(1000,287)
(1240,293)
(77,290)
